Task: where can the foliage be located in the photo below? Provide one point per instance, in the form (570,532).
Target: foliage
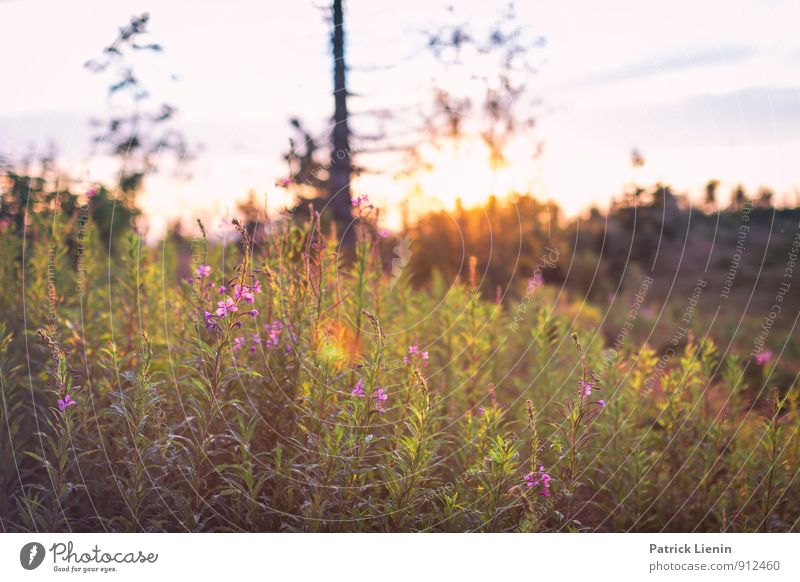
(280,388)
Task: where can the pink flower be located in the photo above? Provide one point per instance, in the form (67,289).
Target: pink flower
(226,307)
(534,479)
(383,233)
(92,191)
(66,403)
(764,357)
(358,391)
(274,330)
(252,313)
(284,182)
(362,199)
(240,292)
(380,396)
(535,282)
(531,480)
(221,289)
(203,270)
(601,403)
(586,389)
(256,288)
(413,351)
(209,317)
(238,343)
(545,484)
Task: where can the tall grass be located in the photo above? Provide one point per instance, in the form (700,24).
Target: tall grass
(282,388)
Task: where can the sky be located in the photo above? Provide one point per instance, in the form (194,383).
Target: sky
(703,89)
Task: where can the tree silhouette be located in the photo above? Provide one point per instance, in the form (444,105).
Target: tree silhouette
(739,198)
(326,184)
(492,106)
(341,166)
(711,194)
(137,132)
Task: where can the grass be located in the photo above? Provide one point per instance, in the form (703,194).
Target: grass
(318,394)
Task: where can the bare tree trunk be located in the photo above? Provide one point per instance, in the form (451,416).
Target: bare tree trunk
(341,165)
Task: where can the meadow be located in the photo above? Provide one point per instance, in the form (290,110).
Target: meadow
(267,381)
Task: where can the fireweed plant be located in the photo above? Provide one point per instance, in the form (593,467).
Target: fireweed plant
(270,384)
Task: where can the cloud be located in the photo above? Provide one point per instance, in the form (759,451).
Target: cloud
(759,114)
(670,63)
(755,113)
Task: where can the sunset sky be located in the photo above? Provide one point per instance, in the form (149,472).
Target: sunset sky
(702,89)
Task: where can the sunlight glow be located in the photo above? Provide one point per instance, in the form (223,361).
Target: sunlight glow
(461,170)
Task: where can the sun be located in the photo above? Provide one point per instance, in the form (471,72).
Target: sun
(461,170)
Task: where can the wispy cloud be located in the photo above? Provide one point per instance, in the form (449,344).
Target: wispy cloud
(671,63)
(753,115)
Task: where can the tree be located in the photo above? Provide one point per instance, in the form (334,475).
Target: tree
(308,174)
(318,179)
(489,68)
(765,196)
(136,133)
(739,198)
(711,194)
(633,197)
(341,166)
